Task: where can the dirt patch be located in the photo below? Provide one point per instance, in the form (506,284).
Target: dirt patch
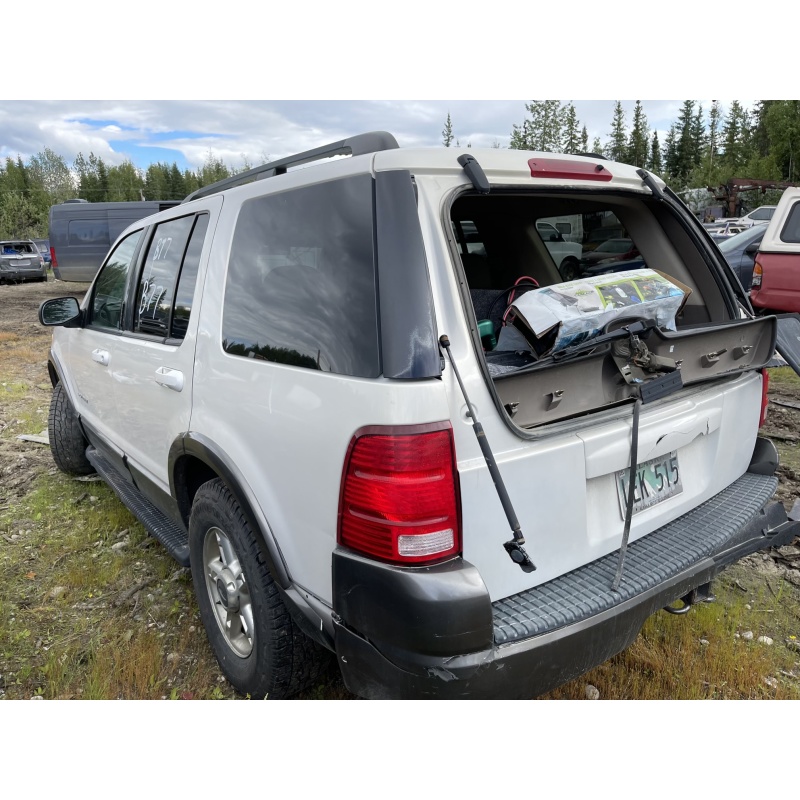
(24,382)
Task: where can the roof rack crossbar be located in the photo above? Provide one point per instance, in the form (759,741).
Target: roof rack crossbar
(358,145)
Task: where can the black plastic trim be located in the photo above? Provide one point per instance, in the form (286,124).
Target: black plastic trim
(173,536)
(207,451)
(415,613)
(409,345)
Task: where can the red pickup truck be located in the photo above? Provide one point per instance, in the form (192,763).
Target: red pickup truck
(776,273)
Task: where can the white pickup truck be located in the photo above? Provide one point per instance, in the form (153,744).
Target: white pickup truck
(566,254)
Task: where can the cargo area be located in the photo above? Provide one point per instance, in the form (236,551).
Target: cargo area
(511,246)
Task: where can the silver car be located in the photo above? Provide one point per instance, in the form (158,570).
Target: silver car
(20,260)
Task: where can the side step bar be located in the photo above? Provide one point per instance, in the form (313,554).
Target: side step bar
(159,526)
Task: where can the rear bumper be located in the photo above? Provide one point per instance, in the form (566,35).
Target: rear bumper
(435,634)
(20,275)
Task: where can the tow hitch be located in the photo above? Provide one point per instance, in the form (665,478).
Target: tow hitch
(702,594)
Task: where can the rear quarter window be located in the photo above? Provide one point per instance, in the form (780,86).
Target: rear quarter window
(791,228)
(301,280)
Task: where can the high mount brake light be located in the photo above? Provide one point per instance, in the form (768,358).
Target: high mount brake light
(567,168)
(399,499)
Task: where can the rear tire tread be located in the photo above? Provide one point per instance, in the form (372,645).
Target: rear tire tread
(67,442)
(294,661)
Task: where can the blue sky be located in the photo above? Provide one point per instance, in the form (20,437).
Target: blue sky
(252,131)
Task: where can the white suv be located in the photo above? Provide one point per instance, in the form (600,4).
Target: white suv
(298,385)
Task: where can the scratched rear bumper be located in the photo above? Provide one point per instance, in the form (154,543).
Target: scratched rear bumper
(434,633)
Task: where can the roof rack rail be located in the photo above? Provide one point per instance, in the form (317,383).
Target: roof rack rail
(358,145)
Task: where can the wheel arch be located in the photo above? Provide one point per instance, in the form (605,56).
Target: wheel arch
(195,459)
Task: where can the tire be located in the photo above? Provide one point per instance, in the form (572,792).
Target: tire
(569,269)
(67,442)
(260,649)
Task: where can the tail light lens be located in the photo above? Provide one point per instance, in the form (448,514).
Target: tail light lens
(399,499)
(53,260)
(764,399)
(758,272)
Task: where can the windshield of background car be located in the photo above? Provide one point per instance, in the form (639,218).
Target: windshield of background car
(741,240)
(614,246)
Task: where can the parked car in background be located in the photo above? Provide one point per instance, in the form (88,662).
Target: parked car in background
(725,228)
(20,260)
(44,249)
(611,249)
(602,234)
(740,252)
(565,254)
(776,274)
(758,216)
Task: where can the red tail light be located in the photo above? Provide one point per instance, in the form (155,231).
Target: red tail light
(758,272)
(399,500)
(53,260)
(764,399)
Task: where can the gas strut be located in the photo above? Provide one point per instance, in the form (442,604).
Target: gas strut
(513,547)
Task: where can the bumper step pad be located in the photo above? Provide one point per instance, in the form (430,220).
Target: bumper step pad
(159,526)
(736,517)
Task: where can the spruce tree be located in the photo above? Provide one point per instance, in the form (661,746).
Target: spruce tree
(571,130)
(618,147)
(542,130)
(447,132)
(654,162)
(638,144)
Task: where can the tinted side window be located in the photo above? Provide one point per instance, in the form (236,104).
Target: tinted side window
(109,288)
(160,275)
(88,231)
(184,296)
(791,230)
(301,280)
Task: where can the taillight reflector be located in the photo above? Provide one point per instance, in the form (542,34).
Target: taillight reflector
(399,499)
(566,168)
(53,259)
(764,398)
(758,272)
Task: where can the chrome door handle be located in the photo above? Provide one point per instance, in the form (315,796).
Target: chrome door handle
(171,378)
(100,356)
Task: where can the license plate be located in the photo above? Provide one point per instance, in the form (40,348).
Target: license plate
(655,481)
(24,262)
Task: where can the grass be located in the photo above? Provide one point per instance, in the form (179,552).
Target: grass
(702,655)
(86,618)
(91,607)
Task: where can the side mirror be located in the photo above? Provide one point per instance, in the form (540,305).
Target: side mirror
(752,249)
(61,311)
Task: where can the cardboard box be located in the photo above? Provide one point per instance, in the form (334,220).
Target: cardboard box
(566,314)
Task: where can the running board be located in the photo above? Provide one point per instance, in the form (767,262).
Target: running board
(157,524)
